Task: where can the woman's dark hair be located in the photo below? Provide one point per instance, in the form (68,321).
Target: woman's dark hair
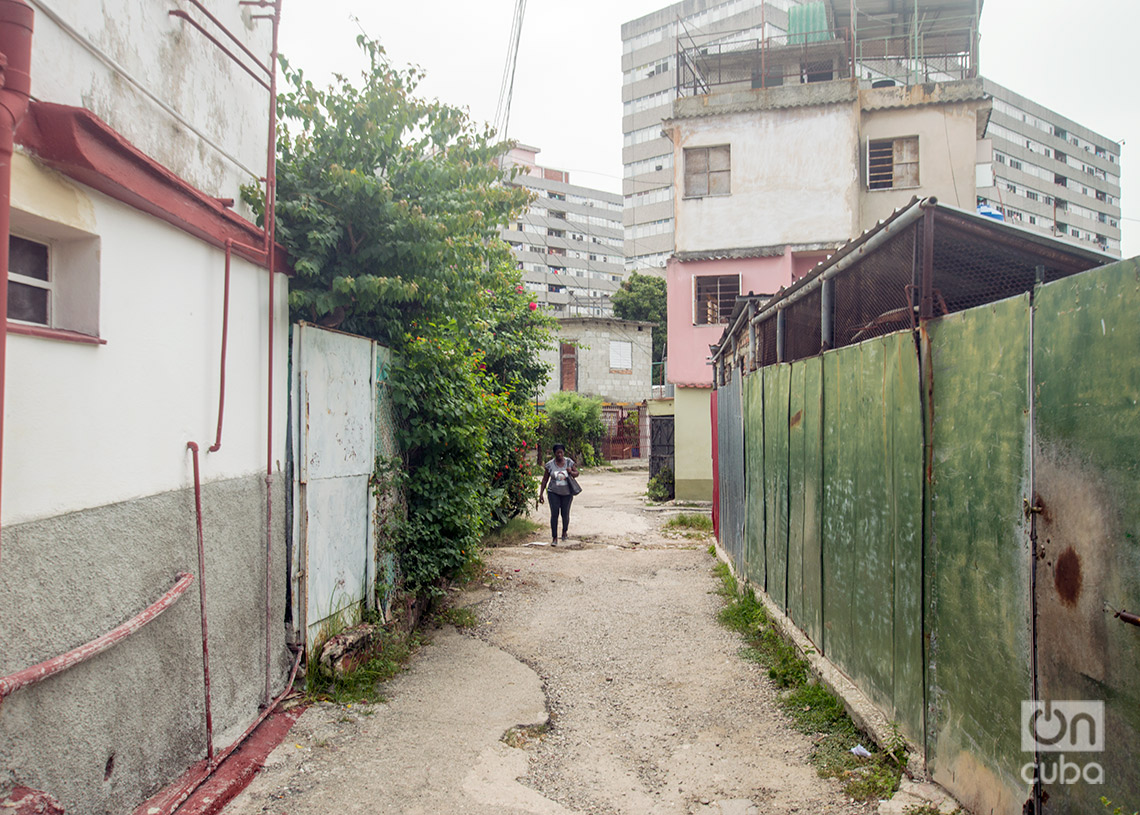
(558,447)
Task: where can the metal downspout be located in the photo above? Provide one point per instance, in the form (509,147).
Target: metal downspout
(270,252)
(16,19)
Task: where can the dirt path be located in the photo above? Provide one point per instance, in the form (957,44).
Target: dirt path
(615,637)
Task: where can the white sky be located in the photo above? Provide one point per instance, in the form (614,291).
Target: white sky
(1079,59)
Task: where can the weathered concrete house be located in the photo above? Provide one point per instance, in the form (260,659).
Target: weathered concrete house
(127,255)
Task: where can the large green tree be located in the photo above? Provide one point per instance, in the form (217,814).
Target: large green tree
(390,207)
(642,297)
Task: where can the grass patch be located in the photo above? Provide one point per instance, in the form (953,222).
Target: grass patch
(521,735)
(690,520)
(812,708)
(462,618)
(512,533)
(387,657)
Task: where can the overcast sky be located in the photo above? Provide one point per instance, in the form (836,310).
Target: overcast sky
(1080,59)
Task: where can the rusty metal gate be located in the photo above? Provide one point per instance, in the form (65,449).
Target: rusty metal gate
(1085,524)
(622,438)
(660,444)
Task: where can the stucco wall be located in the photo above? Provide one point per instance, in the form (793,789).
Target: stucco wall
(794,178)
(947,156)
(104,735)
(174,65)
(688,343)
(595,377)
(692,427)
(88,425)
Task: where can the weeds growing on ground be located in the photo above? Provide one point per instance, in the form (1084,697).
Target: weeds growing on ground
(520,735)
(812,708)
(459,617)
(690,520)
(361,685)
(512,533)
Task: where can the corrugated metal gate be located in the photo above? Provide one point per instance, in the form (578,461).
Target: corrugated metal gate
(341,421)
(730,430)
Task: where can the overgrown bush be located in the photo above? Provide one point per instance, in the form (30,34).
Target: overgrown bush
(661,485)
(575,421)
(391,208)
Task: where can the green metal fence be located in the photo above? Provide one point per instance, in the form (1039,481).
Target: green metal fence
(908,506)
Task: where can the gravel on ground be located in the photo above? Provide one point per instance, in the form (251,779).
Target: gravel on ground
(607,652)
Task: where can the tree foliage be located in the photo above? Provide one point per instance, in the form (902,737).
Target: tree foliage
(575,421)
(390,207)
(643,297)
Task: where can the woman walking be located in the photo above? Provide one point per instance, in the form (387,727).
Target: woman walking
(558,472)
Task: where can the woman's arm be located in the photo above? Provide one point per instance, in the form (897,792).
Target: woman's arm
(572,469)
(545,478)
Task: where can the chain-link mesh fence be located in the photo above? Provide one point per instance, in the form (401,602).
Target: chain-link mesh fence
(973,262)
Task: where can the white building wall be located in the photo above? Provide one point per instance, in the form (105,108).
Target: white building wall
(88,425)
(216,136)
(794,179)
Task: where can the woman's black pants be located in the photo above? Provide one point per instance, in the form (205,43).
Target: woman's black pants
(559,504)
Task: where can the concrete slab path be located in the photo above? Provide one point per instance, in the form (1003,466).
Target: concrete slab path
(613,641)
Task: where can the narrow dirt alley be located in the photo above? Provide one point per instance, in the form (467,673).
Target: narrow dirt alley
(614,638)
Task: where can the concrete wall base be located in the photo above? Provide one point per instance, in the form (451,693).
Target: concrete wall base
(693,489)
(105,734)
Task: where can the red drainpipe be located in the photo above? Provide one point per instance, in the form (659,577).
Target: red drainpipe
(15,65)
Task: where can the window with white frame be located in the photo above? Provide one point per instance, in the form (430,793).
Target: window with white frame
(621,356)
(714,298)
(29,281)
(708,171)
(892,164)
(53,277)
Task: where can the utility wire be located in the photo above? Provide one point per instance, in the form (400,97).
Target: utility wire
(507,86)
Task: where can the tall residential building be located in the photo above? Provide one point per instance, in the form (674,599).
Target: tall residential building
(1051,174)
(649,86)
(569,242)
(1087,176)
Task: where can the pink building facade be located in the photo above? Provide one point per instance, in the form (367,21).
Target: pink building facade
(689,335)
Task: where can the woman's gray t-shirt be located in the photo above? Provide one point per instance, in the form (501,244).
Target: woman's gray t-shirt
(559,475)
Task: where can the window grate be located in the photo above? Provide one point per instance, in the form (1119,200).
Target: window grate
(715,298)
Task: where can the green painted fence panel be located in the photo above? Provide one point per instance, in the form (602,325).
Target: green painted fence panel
(873,584)
(1087,375)
(776,387)
(753,420)
(796,488)
(812,623)
(977,557)
(904,411)
(840,400)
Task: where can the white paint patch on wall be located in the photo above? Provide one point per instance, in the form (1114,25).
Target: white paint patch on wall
(174,63)
(794,179)
(89,425)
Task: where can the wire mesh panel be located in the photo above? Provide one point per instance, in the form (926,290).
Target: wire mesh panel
(801,327)
(871,297)
(970,272)
(766,333)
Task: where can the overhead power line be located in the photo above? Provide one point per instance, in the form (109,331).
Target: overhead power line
(507,86)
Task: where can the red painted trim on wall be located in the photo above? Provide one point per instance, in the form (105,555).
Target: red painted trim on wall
(82,146)
(53,333)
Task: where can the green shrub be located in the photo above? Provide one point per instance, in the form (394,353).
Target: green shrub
(661,485)
(575,421)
